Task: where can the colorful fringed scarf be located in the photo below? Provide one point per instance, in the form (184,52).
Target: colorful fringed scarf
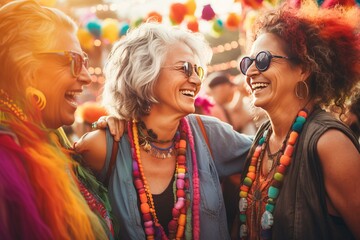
(44,177)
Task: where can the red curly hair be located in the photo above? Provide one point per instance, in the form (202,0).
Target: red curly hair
(324,41)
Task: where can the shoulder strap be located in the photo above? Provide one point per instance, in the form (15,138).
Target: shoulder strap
(112,162)
(202,127)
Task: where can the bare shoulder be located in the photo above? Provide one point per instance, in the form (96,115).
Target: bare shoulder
(340,161)
(334,145)
(92,146)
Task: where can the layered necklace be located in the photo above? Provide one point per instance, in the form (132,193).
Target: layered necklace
(267,218)
(147,141)
(185,217)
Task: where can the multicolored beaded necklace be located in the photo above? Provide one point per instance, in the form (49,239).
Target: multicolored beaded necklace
(267,219)
(181,210)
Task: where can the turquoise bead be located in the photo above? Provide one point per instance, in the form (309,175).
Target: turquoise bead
(297,126)
(269,207)
(242,218)
(261,141)
(273,192)
(300,119)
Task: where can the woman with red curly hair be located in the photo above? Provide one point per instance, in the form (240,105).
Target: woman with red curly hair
(301,179)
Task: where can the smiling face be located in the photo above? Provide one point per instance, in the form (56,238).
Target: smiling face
(60,87)
(274,87)
(175,91)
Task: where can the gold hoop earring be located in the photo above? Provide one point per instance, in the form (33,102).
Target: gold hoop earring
(38,96)
(300,87)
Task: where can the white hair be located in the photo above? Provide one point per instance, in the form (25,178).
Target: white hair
(134,65)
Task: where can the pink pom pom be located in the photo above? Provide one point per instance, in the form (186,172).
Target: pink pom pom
(207,13)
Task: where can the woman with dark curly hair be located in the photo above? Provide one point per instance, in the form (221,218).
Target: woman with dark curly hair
(301,176)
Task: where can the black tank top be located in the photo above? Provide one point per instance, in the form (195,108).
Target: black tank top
(164,203)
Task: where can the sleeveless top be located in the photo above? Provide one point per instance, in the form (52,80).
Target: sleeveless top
(301,211)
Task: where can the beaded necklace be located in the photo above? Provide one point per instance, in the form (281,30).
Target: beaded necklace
(267,219)
(96,205)
(11,106)
(180,220)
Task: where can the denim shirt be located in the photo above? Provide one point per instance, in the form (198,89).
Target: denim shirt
(229,149)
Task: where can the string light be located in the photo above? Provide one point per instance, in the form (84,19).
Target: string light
(222,66)
(226,47)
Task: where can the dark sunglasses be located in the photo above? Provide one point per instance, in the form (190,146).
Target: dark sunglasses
(189,69)
(262,61)
(76,60)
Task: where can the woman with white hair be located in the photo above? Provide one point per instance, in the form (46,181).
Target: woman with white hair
(164,180)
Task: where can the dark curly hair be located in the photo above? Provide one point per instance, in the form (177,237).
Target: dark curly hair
(325,42)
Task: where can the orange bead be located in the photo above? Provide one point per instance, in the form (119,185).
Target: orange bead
(145,208)
(143,198)
(303,114)
(181,159)
(182,143)
(244,188)
(253,161)
(292,138)
(251,175)
(257,151)
(289,150)
(180,232)
(252,169)
(285,160)
(182,220)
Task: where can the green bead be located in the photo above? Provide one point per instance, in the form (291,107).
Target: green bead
(273,192)
(261,141)
(242,217)
(278,176)
(247,181)
(269,207)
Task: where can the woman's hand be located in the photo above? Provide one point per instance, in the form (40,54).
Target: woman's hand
(115,125)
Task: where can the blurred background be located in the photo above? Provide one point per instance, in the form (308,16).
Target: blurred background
(102,22)
(224,23)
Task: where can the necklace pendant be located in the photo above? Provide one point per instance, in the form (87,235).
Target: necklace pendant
(243,204)
(243,231)
(257,195)
(147,147)
(267,220)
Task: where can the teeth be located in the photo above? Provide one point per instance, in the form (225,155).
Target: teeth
(259,85)
(72,93)
(188,93)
